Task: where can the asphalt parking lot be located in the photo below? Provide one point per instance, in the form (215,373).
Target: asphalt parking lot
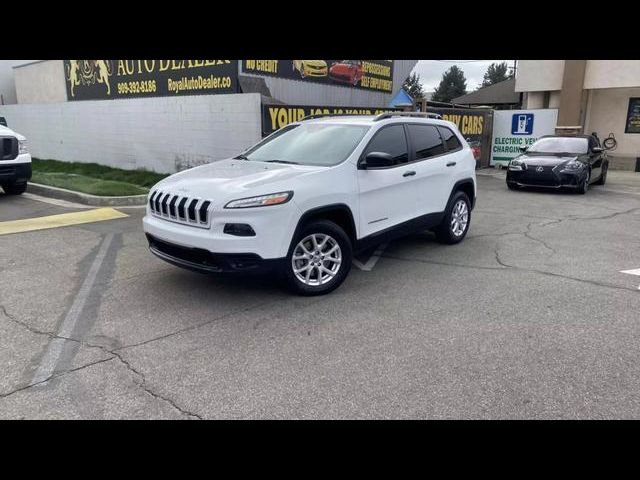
(529,317)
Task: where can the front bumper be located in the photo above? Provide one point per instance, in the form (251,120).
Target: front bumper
(14,172)
(204,261)
(548,178)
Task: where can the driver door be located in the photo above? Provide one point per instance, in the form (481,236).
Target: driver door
(387,196)
(595,159)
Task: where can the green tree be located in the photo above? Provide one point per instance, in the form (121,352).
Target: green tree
(497,72)
(413,86)
(452,85)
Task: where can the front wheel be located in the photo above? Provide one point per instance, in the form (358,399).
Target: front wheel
(319,259)
(584,186)
(456,221)
(15,188)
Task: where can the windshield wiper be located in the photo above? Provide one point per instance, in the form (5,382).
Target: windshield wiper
(281,161)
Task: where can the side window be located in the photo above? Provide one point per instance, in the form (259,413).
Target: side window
(450,139)
(391,140)
(426,141)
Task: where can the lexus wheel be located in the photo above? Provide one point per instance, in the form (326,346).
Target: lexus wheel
(584,186)
(319,258)
(457,218)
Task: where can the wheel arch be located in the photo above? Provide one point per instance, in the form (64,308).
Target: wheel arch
(338,213)
(466,185)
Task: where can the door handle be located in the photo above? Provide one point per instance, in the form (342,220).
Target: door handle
(410,173)
(451,164)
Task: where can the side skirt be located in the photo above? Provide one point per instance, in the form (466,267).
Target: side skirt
(423,222)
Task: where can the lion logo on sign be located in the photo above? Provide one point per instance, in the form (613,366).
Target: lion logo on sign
(88,72)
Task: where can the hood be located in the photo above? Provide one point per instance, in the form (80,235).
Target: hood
(221,180)
(5,131)
(546,160)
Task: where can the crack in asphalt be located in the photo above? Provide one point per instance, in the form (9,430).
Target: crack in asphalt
(56,375)
(113,355)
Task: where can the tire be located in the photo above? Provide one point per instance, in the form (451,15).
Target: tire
(603,177)
(584,186)
(450,232)
(312,281)
(302,70)
(512,186)
(15,188)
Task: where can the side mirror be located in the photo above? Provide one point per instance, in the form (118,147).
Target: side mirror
(597,149)
(524,149)
(3,121)
(377,160)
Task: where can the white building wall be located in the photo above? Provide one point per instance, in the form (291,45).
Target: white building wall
(612,74)
(163,134)
(7,83)
(40,82)
(608,114)
(539,75)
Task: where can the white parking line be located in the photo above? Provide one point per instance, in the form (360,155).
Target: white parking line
(373,259)
(635,271)
(54,350)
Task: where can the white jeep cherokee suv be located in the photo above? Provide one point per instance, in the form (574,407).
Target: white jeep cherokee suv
(308,196)
(15,162)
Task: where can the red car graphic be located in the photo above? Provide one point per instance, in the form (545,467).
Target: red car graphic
(346,71)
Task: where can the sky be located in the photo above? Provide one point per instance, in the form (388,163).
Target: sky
(431,71)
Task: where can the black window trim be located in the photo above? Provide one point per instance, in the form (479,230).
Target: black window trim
(446,147)
(413,150)
(406,138)
(412,153)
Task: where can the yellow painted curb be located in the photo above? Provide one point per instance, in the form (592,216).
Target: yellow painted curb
(62,220)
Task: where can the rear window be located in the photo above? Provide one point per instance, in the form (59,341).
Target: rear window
(426,141)
(450,139)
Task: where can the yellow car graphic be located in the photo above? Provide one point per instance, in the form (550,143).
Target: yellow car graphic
(310,68)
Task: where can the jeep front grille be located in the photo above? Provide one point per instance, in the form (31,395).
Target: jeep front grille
(180,209)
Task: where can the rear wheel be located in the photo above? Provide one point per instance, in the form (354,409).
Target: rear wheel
(319,259)
(15,188)
(456,221)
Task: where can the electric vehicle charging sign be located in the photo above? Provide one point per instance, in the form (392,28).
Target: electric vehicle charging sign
(513,129)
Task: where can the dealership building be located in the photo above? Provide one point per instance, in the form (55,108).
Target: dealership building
(601,96)
(167,115)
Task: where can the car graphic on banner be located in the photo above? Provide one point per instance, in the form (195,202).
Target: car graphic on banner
(366,74)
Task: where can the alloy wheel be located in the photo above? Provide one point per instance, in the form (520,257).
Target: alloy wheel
(459,218)
(316,259)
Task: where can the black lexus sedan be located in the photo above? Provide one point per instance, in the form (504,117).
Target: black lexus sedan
(555,161)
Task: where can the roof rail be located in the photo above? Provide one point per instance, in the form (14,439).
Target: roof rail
(318,115)
(385,115)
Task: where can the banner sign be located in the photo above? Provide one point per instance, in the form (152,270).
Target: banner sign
(367,74)
(513,129)
(633,116)
(475,126)
(113,79)
(277,116)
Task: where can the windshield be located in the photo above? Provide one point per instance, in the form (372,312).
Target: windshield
(559,145)
(308,144)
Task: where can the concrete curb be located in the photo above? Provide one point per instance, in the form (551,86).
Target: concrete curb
(85,198)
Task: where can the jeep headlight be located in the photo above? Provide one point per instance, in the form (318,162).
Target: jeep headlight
(261,201)
(22,147)
(517,165)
